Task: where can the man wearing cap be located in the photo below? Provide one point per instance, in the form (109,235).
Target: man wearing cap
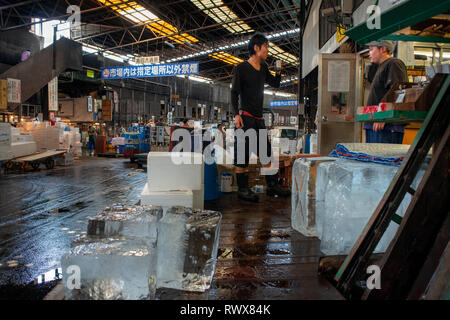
(390,70)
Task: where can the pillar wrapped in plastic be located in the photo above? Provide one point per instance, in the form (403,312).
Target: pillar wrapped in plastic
(187,248)
(304,194)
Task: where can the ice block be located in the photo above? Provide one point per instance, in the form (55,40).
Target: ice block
(112,268)
(352,191)
(304,195)
(187,248)
(128,221)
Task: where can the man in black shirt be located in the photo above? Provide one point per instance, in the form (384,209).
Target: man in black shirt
(390,70)
(247,96)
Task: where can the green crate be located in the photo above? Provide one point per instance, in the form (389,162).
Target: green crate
(393,116)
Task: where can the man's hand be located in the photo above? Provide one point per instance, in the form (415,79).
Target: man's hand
(238,121)
(378,126)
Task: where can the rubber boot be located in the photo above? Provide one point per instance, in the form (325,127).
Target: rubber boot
(244,193)
(274,189)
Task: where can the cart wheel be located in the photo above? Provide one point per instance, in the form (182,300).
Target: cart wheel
(132,159)
(49,163)
(35,165)
(9,165)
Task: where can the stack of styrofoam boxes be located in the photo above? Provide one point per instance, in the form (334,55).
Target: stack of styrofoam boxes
(13,144)
(21,145)
(174,179)
(47,137)
(76,141)
(5,141)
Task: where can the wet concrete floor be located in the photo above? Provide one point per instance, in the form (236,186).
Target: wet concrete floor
(260,256)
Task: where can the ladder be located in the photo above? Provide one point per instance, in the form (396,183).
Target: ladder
(403,262)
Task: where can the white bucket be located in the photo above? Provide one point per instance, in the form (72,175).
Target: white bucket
(227,182)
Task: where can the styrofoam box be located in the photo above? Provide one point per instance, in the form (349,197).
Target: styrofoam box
(167,172)
(20,149)
(5,152)
(183,198)
(5,134)
(15,131)
(22,138)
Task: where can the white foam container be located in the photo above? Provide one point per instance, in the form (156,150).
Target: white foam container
(167,198)
(166,171)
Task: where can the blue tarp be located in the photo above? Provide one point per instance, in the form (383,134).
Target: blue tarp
(343,152)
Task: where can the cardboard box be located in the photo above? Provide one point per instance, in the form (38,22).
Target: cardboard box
(410,94)
(386,106)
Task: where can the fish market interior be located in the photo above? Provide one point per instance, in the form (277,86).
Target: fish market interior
(224,150)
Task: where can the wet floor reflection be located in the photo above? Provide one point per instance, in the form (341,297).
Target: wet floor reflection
(259,256)
(42,212)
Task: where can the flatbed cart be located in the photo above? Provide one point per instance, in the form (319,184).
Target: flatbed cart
(33,160)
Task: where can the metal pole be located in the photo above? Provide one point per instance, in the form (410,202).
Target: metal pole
(301,83)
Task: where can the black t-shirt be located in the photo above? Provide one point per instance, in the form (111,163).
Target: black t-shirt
(248,85)
(390,71)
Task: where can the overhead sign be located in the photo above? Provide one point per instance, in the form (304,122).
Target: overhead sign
(147,60)
(90,73)
(157,70)
(14,90)
(53,94)
(90,104)
(283,103)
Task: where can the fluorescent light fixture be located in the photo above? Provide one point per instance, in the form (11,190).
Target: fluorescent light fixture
(282,94)
(195,78)
(113,57)
(169,44)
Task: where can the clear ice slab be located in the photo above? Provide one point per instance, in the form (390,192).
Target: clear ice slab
(111,268)
(129,221)
(352,190)
(305,197)
(187,248)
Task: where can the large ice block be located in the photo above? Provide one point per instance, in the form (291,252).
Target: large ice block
(113,268)
(187,248)
(129,221)
(304,195)
(166,171)
(352,191)
(167,198)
